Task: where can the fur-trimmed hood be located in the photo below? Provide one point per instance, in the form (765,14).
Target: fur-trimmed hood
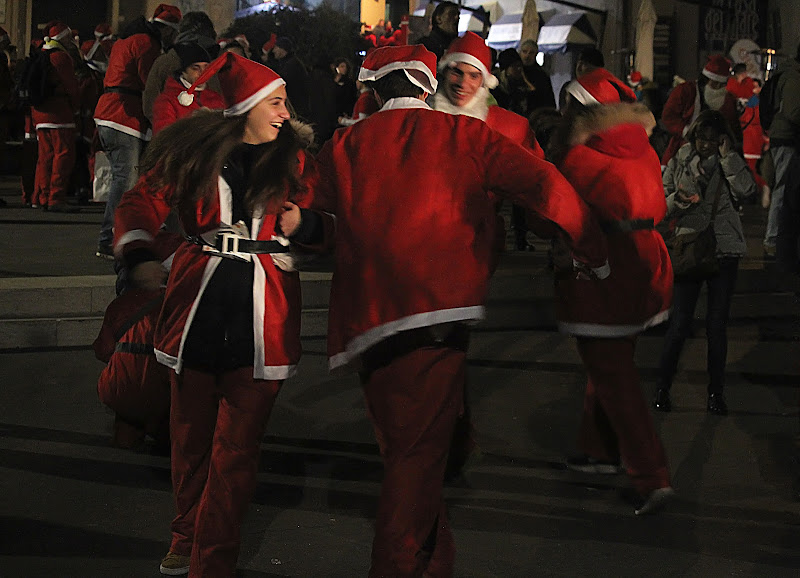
(600,119)
(304,132)
(606,128)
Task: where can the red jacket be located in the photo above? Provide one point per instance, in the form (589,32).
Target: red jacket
(413,245)
(679,112)
(59,110)
(128,67)
(618,174)
(91,87)
(276,309)
(133,383)
(167,109)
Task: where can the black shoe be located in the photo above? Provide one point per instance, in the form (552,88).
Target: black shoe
(716,404)
(105,251)
(662,402)
(62,208)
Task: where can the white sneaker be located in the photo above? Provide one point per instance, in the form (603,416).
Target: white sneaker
(655,501)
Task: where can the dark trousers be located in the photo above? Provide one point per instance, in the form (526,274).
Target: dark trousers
(616,421)
(216,425)
(685,296)
(413,402)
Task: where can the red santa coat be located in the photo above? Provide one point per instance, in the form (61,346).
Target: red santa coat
(59,110)
(515,127)
(413,245)
(276,293)
(618,174)
(679,113)
(167,109)
(128,66)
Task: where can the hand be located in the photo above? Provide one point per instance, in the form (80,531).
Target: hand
(149,275)
(725,146)
(290,218)
(685,197)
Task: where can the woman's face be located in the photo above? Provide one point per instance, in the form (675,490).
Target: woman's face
(707,141)
(264,121)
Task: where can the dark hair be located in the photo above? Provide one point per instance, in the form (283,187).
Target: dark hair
(394,85)
(349,64)
(188,156)
(197,23)
(592,56)
(710,119)
(739,67)
(440,9)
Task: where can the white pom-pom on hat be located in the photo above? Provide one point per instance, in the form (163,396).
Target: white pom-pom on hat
(185,98)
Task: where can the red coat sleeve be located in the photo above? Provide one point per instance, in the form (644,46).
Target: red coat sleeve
(519,175)
(139,216)
(678,109)
(164,113)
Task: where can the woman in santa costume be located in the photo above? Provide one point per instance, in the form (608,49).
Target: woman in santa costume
(411,275)
(194,59)
(603,150)
(229,327)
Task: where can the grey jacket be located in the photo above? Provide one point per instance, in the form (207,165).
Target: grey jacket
(785,127)
(682,172)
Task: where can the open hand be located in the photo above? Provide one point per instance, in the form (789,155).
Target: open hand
(289,219)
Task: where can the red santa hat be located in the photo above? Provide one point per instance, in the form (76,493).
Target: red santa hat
(635,78)
(57,31)
(717,68)
(102,31)
(470,49)
(244,83)
(269,44)
(418,63)
(600,87)
(168,15)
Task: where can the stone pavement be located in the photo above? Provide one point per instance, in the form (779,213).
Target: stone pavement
(71,506)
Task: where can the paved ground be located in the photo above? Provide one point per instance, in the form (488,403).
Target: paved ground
(72,506)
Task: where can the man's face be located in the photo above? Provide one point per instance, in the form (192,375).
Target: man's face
(528,53)
(279,52)
(193,71)
(463,82)
(448,21)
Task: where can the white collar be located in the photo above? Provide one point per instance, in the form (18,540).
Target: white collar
(404,102)
(188,84)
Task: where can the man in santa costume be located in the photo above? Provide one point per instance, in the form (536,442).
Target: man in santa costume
(54,120)
(413,247)
(464,86)
(603,149)
(121,124)
(689,98)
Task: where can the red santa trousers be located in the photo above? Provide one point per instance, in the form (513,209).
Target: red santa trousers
(216,424)
(616,419)
(413,403)
(54,165)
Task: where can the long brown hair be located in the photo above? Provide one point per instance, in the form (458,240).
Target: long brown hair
(189,154)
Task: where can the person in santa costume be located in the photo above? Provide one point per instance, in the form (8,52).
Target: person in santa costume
(121,124)
(464,86)
(229,328)
(689,98)
(194,59)
(411,274)
(54,120)
(603,150)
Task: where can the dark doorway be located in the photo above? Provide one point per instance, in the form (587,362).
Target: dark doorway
(81,15)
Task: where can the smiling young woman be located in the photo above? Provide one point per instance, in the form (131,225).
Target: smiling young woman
(229,325)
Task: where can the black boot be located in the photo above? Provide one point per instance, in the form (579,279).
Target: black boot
(716,404)
(662,402)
